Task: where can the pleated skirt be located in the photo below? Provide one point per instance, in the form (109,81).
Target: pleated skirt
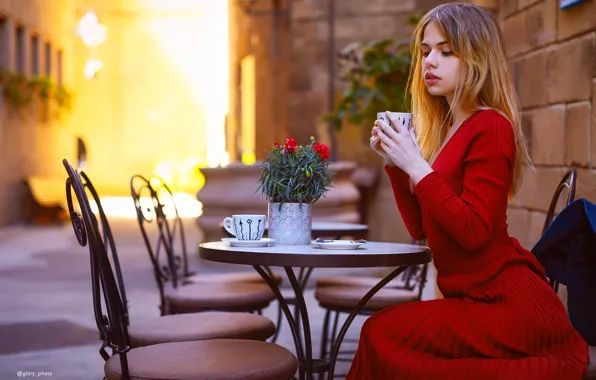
(514,327)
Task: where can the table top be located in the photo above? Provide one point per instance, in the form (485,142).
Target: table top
(370,254)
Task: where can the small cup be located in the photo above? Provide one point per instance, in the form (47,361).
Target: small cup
(245,227)
(405,118)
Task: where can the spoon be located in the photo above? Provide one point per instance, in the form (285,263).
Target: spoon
(359,241)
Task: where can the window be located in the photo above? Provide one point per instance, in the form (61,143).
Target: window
(47,52)
(34,55)
(4,52)
(59,66)
(20,49)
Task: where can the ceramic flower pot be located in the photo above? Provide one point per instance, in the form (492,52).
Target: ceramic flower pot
(291,223)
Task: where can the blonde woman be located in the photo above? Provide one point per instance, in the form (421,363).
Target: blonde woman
(452,180)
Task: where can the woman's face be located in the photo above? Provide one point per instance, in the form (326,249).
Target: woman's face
(440,67)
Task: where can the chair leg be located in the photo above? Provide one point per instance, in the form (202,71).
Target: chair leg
(325,334)
(324,338)
(278,324)
(334,330)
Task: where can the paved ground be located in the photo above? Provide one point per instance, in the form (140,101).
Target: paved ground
(46,317)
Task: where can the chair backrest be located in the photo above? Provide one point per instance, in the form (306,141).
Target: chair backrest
(162,231)
(414,276)
(567,182)
(109,309)
(173,225)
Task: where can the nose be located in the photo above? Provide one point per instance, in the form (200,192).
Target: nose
(431,59)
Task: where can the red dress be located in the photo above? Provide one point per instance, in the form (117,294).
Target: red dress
(499,318)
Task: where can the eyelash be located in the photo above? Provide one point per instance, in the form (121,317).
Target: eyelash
(445,53)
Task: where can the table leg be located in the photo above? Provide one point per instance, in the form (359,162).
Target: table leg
(344,329)
(309,366)
(268,277)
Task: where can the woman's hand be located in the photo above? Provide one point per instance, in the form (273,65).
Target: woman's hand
(375,144)
(401,147)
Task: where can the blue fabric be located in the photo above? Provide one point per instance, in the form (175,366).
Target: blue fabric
(567,250)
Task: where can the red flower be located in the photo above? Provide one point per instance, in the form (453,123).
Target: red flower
(291,145)
(276,146)
(322,150)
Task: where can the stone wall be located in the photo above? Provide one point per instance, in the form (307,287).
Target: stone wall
(552,53)
(256,32)
(355,21)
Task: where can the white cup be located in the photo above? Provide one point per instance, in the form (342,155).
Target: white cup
(405,118)
(245,227)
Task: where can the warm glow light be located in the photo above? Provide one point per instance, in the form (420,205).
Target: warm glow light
(198,48)
(91,31)
(123,207)
(92,67)
(181,176)
(248,158)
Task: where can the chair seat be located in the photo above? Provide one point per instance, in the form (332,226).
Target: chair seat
(239,296)
(251,277)
(363,281)
(591,372)
(228,359)
(347,297)
(200,326)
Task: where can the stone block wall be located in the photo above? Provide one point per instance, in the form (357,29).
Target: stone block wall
(552,54)
(355,21)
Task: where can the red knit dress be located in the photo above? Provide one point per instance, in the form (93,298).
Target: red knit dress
(499,318)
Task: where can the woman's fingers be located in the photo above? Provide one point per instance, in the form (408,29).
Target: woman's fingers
(394,121)
(388,141)
(385,128)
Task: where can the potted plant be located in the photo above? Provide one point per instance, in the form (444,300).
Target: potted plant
(293,177)
(376,74)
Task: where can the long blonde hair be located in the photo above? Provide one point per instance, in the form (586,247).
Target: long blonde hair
(476,39)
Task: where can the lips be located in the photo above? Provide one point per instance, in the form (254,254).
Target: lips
(431,76)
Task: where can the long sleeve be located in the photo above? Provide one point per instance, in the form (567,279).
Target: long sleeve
(406,201)
(472,217)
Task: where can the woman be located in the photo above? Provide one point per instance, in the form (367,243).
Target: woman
(499,318)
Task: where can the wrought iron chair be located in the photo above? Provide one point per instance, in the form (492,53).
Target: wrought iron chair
(252,359)
(165,198)
(170,268)
(177,328)
(567,182)
(341,294)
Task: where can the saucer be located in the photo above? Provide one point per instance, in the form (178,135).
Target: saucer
(234,242)
(337,244)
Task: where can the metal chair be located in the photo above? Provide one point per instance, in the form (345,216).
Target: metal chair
(567,182)
(252,359)
(340,295)
(167,230)
(176,328)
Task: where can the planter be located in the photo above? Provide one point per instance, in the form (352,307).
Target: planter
(227,191)
(290,223)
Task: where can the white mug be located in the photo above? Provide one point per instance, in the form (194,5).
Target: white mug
(245,227)
(405,118)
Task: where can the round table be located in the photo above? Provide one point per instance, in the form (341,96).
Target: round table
(370,254)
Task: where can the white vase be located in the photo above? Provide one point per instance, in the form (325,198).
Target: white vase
(291,224)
